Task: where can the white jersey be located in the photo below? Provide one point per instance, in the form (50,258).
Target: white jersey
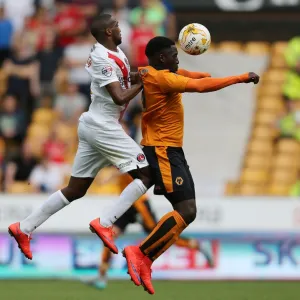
(105,66)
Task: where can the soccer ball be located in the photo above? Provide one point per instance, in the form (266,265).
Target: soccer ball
(194,39)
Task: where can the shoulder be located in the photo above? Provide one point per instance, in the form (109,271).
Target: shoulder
(99,53)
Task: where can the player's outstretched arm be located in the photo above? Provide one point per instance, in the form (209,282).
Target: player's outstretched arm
(122,96)
(214,84)
(193,75)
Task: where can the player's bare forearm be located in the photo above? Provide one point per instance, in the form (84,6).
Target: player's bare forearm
(214,84)
(134,77)
(122,96)
(193,75)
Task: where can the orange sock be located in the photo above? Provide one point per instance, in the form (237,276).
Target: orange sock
(181,242)
(165,234)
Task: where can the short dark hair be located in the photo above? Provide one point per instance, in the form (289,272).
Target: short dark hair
(157,44)
(99,23)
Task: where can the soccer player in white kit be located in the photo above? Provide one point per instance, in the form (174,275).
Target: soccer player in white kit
(102,140)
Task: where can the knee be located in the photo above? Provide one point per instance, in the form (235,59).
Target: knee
(72,193)
(189,213)
(144,175)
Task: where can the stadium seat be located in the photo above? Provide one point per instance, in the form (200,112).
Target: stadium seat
(250,189)
(288,146)
(267,118)
(263,132)
(278,61)
(38,131)
(286,161)
(263,147)
(270,89)
(230,188)
(284,176)
(20,187)
(276,189)
(257,48)
(66,133)
(229,46)
(107,189)
(275,76)
(2,148)
(273,104)
(36,146)
(256,161)
(279,47)
(254,176)
(43,116)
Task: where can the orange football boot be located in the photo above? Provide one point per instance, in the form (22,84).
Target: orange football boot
(106,234)
(21,238)
(139,267)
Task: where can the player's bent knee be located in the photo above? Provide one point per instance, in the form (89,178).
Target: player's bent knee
(144,174)
(188,211)
(72,194)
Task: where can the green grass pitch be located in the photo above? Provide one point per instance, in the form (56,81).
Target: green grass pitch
(165,290)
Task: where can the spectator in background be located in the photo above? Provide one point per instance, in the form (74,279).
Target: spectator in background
(71,105)
(89,8)
(49,59)
(6,31)
(22,70)
(140,37)
(39,24)
(46,177)
(12,120)
(17,10)
(69,22)
(121,12)
(46,101)
(291,88)
(170,22)
(19,168)
(75,57)
(55,148)
(152,13)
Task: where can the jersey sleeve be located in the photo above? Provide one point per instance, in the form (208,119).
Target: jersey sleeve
(171,82)
(102,71)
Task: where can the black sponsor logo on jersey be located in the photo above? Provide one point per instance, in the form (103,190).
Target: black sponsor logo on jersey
(126,61)
(141,157)
(107,71)
(125,164)
(123,81)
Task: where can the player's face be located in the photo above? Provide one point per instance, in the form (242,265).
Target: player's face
(116,32)
(170,59)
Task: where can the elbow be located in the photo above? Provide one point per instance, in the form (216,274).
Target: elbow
(118,101)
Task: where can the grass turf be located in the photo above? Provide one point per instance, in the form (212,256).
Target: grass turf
(165,290)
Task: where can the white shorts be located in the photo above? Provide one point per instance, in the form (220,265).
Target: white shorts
(105,146)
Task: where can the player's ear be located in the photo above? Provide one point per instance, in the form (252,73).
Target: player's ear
(161,58)
(108,31)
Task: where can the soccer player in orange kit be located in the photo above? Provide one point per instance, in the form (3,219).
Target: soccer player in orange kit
(162,129)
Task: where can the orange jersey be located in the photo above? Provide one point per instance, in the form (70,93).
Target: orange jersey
(162,119)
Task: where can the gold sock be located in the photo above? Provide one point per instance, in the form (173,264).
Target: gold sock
(165,234)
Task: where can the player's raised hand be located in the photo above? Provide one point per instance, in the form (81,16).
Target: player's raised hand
(253,77)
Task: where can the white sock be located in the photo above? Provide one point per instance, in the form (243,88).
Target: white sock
(53,204)
(130,194)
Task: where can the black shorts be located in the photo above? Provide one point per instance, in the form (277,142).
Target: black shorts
(139,212)
(170,172)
